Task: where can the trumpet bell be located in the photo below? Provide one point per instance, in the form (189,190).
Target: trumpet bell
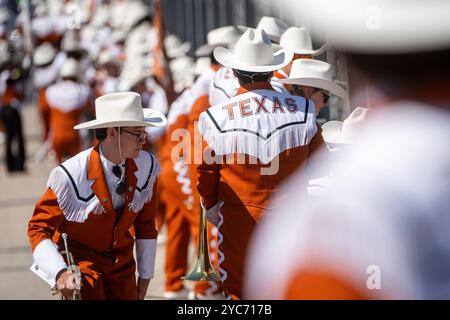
(201,273)
(203,269)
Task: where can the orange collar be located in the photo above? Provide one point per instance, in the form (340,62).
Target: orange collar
(99,186)
(254,86)
(215,67)
(279,74)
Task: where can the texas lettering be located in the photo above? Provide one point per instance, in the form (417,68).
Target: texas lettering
(256,105)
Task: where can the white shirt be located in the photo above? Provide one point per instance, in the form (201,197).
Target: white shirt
(112,181)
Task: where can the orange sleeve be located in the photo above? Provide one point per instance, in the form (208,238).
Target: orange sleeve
(208,179)
(145,224)
(317,141)
(44,109)
(46,219)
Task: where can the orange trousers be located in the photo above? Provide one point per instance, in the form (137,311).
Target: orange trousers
(235,230)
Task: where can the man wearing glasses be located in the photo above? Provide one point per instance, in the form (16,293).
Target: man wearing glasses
(313,80)
(97,197)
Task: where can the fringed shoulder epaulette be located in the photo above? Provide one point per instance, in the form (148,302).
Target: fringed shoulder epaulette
(262,124)
(73,190)
(148,170)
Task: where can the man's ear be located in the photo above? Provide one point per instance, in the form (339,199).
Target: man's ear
(111,132)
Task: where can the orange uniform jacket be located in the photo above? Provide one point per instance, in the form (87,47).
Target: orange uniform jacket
(244,194)
(102,244)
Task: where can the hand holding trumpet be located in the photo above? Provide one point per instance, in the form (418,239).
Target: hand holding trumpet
(68,283)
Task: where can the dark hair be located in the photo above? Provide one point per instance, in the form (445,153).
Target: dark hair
(246,77)
(101,133)
(213,59)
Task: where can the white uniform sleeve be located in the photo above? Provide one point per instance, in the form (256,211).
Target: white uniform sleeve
(47,261)
(146,254)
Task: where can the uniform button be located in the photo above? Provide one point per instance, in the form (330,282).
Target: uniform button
(115,243)
(130,188)
(117,260)
(104,200)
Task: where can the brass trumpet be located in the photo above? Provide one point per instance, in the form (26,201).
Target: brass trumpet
(71,267)
(203,269)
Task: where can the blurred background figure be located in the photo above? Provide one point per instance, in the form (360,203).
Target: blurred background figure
(11,94)
(67,100)
(380,228)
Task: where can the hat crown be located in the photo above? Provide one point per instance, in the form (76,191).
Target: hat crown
(296,39)
(310,68)
(254,48)
(44,54)
(120,106)
(340,133)
(70,68)
(272,26)
(224,35)
(351,126)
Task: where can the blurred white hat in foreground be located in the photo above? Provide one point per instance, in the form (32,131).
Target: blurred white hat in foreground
(377,25)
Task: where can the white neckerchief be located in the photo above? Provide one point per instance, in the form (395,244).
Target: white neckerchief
(112,181)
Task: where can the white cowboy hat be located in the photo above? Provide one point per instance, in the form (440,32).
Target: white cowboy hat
(107,57)
(123,109)
(136,11)
(253,52)
(101,17)
(273,27)
(70,68)
(341,133)
(299,41)
(118,35)
(181,64)
(131,77)
(376,26)
(313,73)
(44,54)
(220,37)
(201,65)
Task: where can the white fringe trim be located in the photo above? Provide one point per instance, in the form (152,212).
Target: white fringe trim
(249,143)
(72,208)
(144,196)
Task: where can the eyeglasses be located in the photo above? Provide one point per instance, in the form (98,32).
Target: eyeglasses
(297,90)
(117,171)
(140,137)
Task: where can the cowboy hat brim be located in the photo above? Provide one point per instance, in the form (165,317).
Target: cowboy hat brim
(207,49)
(316,83)
(151,118)
(226,58)
(313,53)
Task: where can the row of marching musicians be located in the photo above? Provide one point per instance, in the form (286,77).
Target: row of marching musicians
(255,107)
